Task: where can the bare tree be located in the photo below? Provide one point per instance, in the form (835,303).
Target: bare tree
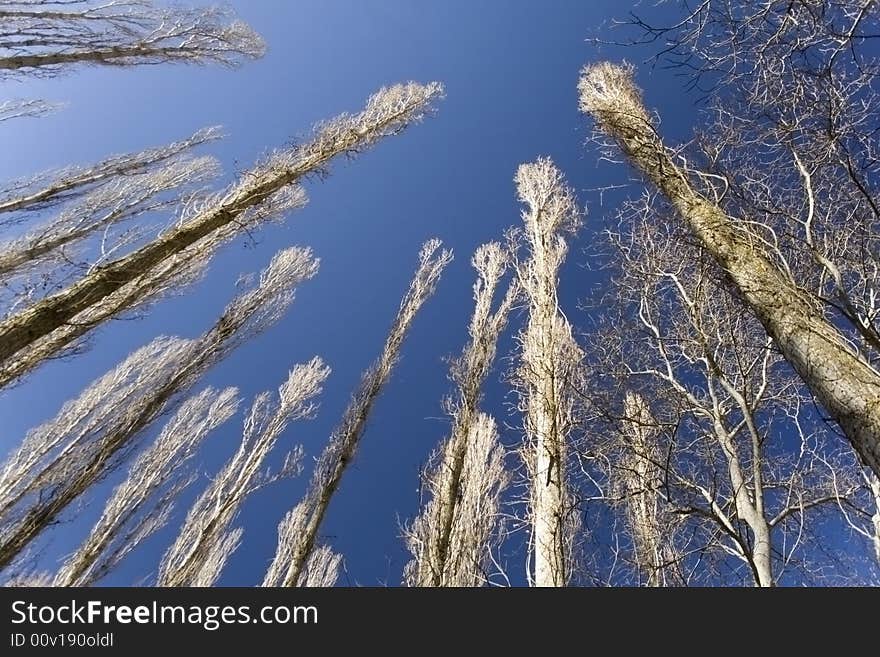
(153,478)
(474,526)
(89,301)
(549,358)
(43,38)
(446,531)
(94,229)
(55,187)
(16,109)
(639,478)
(61,459)
(298,531)
(205,542)
(167,277)
(843,381)
(741,473)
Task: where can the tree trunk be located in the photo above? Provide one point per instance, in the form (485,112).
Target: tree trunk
(846,385)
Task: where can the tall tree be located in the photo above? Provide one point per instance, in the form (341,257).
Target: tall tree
(115,286)
(450,538)
(95,228)
(298,531)
(549,359)
(481,479)
(206,541)
(43,38)
(640,479)
(143,502)
(90,435)
(845,383)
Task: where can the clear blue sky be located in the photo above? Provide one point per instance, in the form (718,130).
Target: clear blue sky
(510,70)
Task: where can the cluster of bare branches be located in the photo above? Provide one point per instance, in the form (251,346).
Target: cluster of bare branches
(60,460)
(40,38)
(16,109)
(206,541)
(718,460)
(181,253)
(154,479)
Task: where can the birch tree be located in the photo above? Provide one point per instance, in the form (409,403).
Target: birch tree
(842,380)
(549,357)
(141,505)
(51,324)
(40,38)
(451,537)
(206,540)
(90,435)
(298,531)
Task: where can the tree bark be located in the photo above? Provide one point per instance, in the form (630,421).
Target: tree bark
(846,385)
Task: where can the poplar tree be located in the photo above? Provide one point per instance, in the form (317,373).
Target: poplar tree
(548,362)
(842,380)
(451,537)
(48,326)
(298,530)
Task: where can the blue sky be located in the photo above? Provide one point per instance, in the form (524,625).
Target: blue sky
(510,70)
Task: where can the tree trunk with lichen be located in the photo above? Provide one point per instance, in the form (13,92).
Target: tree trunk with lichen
(846,385)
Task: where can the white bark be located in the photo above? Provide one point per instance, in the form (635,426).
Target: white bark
(875,519)
(549,358)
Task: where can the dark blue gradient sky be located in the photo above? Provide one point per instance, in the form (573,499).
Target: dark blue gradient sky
(510,70)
